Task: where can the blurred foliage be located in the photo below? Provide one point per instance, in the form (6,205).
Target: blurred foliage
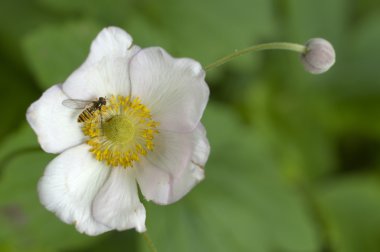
(294,163)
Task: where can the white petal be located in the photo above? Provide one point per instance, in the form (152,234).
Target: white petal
(117,205)
(55,125)
(110,76)
(174,167)
(201,146)
(106,70)
(173,89)
(110,42)
(69,186)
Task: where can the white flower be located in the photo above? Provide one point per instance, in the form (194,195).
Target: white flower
(149,132)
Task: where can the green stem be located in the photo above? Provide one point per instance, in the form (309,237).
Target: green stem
(267,46)
(149,242)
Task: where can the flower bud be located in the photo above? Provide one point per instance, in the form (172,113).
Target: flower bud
(319,56)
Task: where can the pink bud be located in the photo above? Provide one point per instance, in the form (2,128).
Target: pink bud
(319,56)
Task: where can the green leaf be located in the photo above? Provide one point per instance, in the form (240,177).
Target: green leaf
(196,29)
(350,208)
(114,241)
(352,93)
(13,28)
(208,30)
(53,52)
(243,204)
(18,93)
(304,19)
(110,12)
(26,224)
(21,141)
(287,118)
(359,58)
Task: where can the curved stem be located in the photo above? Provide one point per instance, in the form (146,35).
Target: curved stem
(149,242)
(267,46)
(9,157)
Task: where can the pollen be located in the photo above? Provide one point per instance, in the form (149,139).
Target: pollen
(121,131)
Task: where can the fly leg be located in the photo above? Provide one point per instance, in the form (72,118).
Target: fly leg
(101,120)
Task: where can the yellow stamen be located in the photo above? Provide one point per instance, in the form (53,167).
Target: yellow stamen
(121,132)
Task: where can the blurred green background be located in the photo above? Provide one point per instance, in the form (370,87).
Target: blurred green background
(295,158)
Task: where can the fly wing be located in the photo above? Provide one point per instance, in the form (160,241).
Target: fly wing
(76,104)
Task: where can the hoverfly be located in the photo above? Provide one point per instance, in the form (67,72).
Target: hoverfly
(89,107)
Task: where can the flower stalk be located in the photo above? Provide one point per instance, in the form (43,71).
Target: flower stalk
(149,242)
(256,48)
(317,55)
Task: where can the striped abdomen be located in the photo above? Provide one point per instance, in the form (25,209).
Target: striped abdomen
(87,114)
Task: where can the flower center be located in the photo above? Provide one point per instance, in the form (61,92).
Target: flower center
(121,131)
